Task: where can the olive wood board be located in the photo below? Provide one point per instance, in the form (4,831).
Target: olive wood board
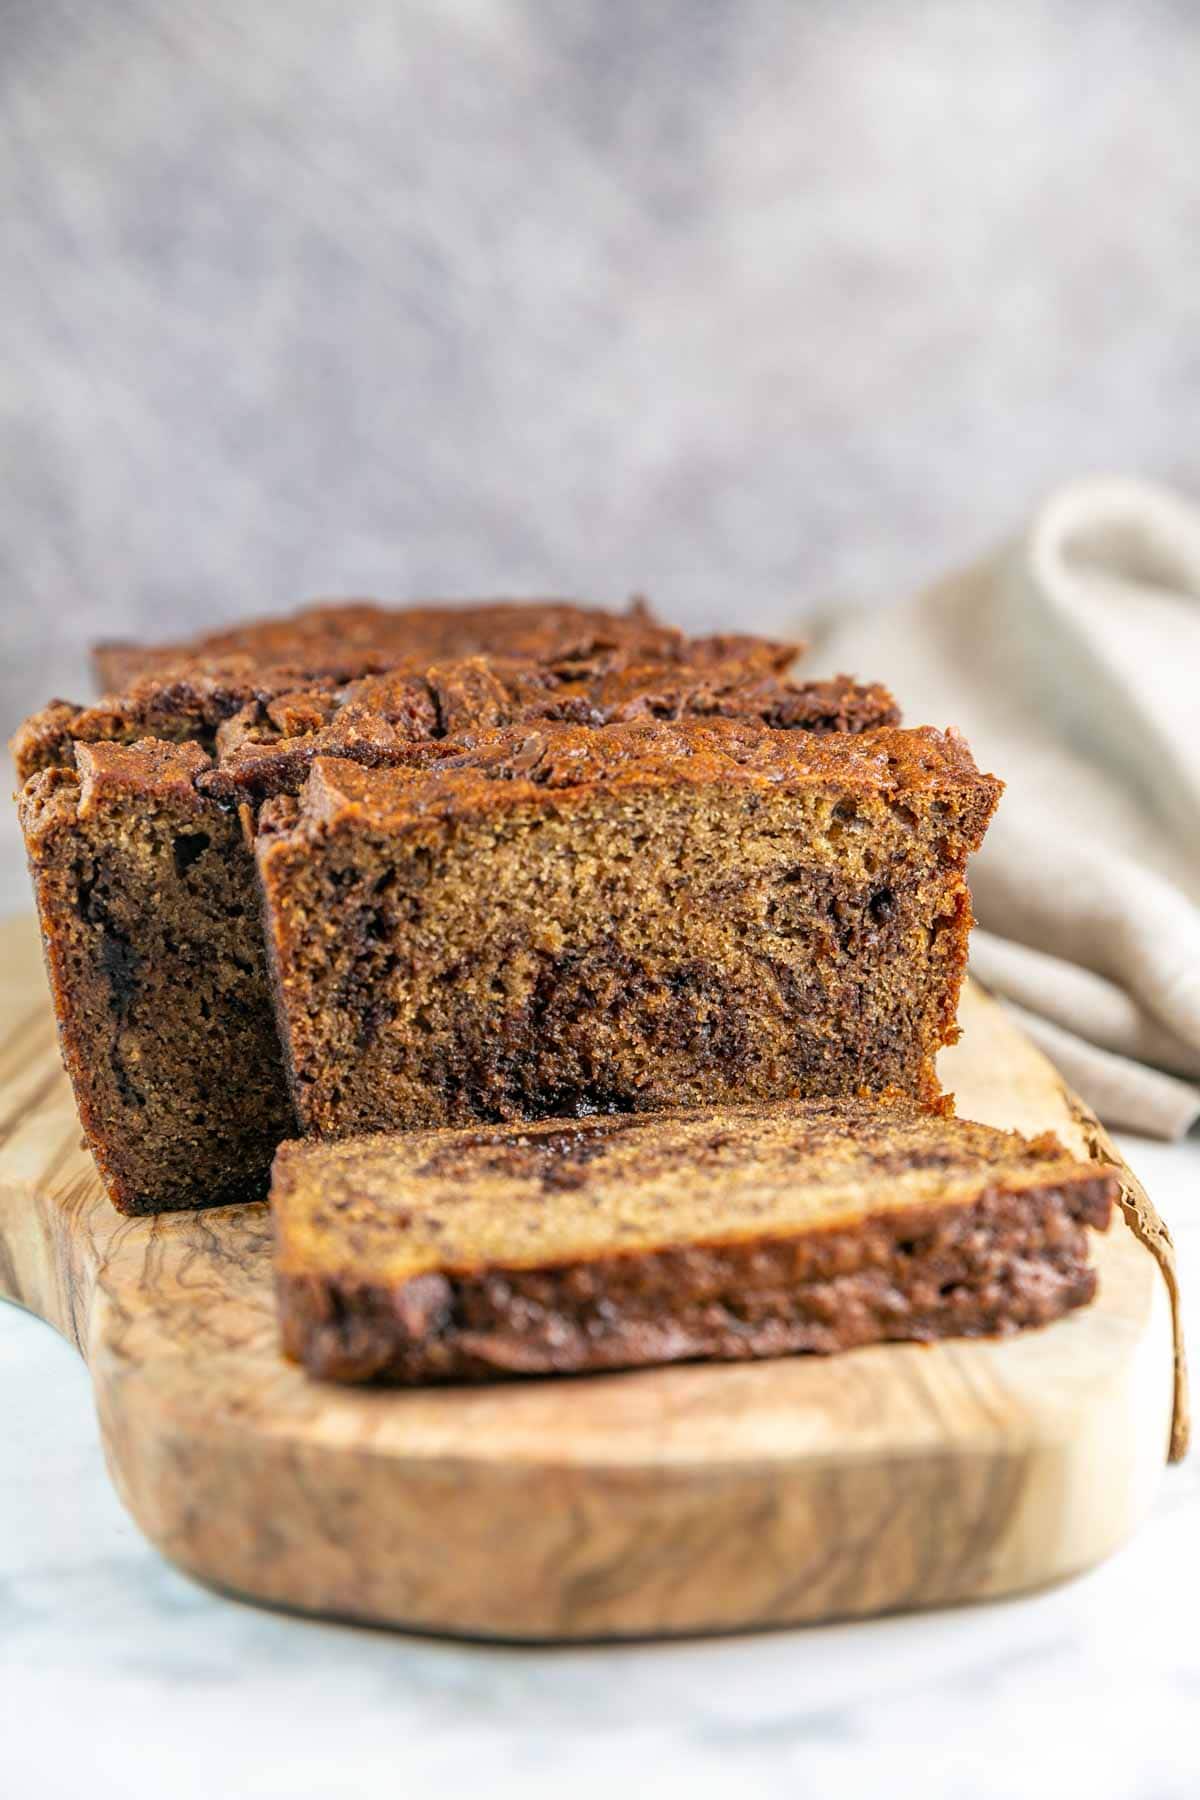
(701,1498)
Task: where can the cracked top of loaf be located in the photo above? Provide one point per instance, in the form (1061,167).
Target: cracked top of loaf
(106,774)
(342,640)
(498,769)
(267,749)
(191,697)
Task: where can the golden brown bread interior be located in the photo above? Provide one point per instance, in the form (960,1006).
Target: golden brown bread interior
(610,1242)
(565,921)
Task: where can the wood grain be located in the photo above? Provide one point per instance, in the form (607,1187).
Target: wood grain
(679,1500)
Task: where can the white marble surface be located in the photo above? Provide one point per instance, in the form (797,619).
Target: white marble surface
(120,1677)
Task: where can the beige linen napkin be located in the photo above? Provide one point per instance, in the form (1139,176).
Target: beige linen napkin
(1071,660)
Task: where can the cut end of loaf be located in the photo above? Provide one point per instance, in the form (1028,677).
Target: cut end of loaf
(557,920)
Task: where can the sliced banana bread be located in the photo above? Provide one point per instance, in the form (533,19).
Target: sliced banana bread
(150,924)
(559,920)
(607,1243)
(146,888)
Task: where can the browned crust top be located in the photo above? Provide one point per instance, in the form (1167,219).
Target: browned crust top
(343,640)
(498,769)
(291,674)
(267,749)
(105,773)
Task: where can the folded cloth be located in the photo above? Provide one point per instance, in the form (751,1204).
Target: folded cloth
(1071,660)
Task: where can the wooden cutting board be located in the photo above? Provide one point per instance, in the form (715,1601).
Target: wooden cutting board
(688,1499)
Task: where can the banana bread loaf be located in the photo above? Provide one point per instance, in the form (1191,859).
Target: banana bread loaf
(146,889)
(606,1243)
(559,920)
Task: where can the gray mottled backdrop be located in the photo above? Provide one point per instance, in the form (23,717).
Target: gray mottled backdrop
(753,305)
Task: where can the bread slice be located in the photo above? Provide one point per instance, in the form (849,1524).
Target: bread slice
(608,1243)
(150,924)
(569,921)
